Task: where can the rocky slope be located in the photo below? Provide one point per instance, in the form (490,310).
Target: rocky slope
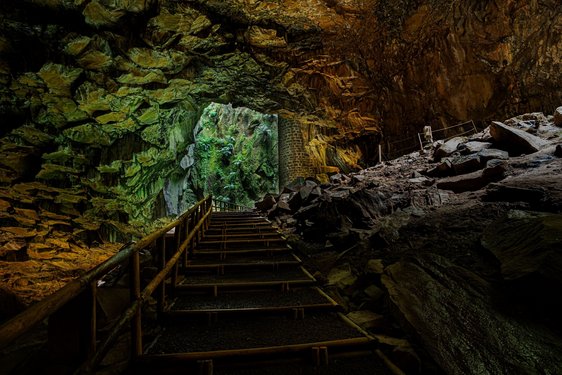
(458,246)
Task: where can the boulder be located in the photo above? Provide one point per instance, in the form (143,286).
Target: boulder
(374,266)
(448,147)
(445,303)
(516,141)
(492,153)
(494,171)
(374,292)
(266,203)
(367,319)
(473,147)
(558,116)
(527,243)
(341,276)
(466,164)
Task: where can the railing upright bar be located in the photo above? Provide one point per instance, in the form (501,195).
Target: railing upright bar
(136,322)
(161,249)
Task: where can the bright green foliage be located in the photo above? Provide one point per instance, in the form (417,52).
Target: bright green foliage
(236,154)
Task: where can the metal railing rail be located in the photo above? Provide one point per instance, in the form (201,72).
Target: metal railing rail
(220,205)
(188,230)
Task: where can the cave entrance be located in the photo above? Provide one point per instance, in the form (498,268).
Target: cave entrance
(236,155)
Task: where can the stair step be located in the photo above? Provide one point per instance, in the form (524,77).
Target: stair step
(265,335)
(228,253)
(248,261)
(205,281)
(238,242)
(310,299)
(240,236)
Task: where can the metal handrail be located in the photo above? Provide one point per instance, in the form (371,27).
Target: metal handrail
(188,229)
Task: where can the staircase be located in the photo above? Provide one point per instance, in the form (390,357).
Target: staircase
(246,305)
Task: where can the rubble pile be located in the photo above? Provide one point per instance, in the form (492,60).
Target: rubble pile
(459,242)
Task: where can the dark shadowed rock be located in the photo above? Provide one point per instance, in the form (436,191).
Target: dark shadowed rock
(492,153)
(443,169)
(515,140)
(454,314)
(466,164)
(558,151)
(526,243)
(266,204)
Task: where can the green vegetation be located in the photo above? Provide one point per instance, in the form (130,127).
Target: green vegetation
(236,154)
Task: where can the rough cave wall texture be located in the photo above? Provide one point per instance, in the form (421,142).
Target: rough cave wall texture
(98,98)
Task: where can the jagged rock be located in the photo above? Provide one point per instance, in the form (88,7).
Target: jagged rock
(494,171)
(430,291)
(59,78)
(95,60)
(492,153)
(448,148)
(374,266)
(341,276)
(167,61)
(527,243)
(473,147)
(367,319)
(374,293)
(515,140)
(90,134)
(266,204)
(558,116)
(442,169)
(466,164)
(142,77)
(97,15)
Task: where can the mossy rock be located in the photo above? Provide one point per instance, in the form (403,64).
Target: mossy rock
(111,117)
(95,60)
(119,129)
(32,135)
(149,116)
(168,60)
(114,167)
(97,15)
(92,98)
(59,78)
(78,45)
(88,134)
(142,78)
(51,171)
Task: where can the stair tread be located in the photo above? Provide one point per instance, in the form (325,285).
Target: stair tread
(253,299)
(257,260)
(252,332)
(207,278)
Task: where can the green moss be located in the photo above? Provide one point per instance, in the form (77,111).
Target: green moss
(236,154)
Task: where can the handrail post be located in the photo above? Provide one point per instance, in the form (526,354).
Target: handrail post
(161,252)
(93,318)
(136,328)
